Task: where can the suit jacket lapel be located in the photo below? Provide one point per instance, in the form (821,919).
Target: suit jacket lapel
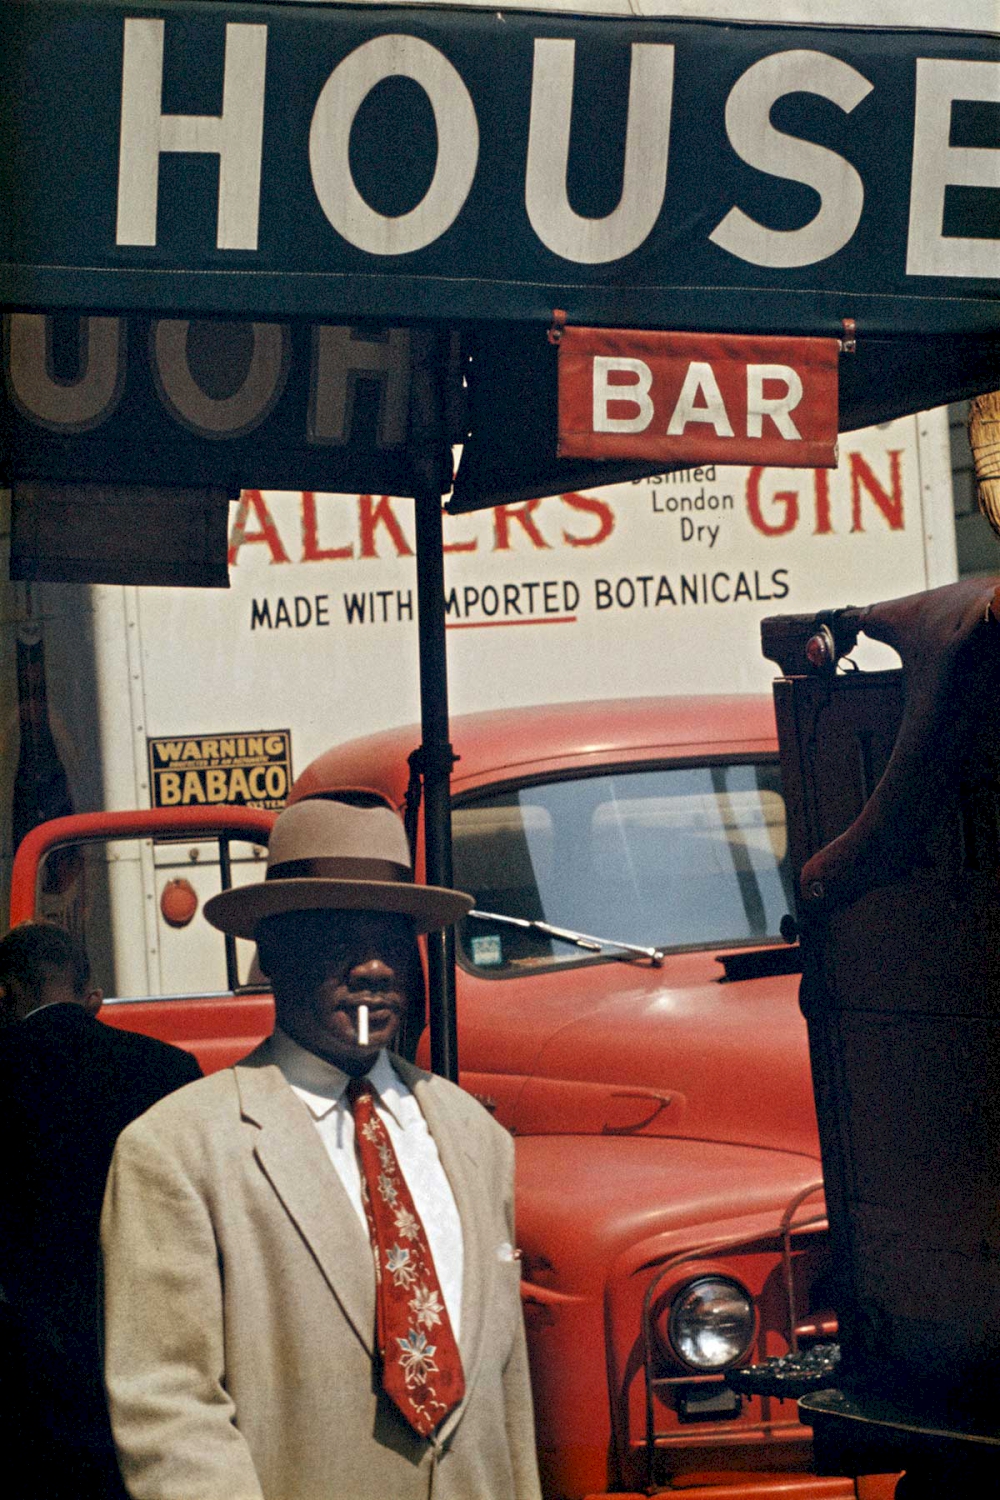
(294,1161)
(462,1172)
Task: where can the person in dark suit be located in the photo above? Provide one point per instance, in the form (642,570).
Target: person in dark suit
(68,1087)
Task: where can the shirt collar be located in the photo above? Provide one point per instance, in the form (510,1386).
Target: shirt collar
(51,1005)
(388,1086)
(321,1084)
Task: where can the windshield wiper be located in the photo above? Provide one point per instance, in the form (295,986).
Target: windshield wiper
(578,939)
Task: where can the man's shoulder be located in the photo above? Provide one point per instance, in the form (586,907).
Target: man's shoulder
(219,1096)
(204,1105)
(464,1108)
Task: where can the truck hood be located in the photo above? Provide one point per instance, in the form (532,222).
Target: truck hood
(643,1201)
(676,1053)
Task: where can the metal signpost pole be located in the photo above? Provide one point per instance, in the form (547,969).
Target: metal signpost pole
(436,760)
(431,457)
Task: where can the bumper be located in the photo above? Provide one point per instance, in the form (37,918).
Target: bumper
(770,1487)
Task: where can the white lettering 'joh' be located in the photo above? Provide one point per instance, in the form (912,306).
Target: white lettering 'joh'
(321,1087)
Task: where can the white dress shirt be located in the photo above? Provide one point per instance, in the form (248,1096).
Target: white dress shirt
(321,1088)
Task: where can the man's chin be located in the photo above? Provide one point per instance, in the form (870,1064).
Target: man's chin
(337,1042)
(353,1051)
(357,1067)
(350,1056)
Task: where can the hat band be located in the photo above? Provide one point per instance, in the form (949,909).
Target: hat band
(340,869)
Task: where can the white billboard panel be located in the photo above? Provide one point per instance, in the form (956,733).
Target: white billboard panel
(652,587)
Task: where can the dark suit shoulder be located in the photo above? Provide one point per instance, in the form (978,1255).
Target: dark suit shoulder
(53,1023)
(66,1024)
(73,1062)
(69,1086)
(149,1050)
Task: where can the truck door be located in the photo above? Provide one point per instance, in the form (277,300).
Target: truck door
(140,881)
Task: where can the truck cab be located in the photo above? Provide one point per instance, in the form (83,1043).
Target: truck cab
(648,1056)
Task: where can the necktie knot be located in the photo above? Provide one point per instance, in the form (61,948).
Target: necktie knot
(359,1088)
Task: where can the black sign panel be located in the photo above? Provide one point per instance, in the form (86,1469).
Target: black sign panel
(341,163)
(171,401)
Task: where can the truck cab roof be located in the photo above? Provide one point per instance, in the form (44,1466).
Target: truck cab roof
(549,738)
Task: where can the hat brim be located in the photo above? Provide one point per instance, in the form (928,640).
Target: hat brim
(238,910)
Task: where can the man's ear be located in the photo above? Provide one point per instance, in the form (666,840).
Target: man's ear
(93,1000)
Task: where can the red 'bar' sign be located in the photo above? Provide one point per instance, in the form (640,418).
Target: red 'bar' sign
(690,398)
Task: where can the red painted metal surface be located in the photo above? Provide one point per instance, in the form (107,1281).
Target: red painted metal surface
(716,1485)
(218,1030)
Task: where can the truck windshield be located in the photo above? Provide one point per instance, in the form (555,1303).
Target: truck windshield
(677,858)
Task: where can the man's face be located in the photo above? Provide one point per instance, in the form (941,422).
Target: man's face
(325,964)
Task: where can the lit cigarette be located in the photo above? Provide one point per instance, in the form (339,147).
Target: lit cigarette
(362,1026)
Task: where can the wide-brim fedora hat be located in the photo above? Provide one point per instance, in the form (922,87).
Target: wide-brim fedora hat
(329,855)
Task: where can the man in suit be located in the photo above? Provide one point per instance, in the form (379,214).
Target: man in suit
(68,1086)
(311,1286)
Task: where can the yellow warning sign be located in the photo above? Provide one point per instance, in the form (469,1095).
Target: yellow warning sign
(252,769)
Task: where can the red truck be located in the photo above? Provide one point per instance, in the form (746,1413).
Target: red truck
(628,1008)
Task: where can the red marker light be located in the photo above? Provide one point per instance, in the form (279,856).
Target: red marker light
(178,903)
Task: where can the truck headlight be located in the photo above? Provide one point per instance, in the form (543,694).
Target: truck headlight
(711,1323)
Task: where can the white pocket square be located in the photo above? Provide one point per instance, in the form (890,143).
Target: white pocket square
(506,1251)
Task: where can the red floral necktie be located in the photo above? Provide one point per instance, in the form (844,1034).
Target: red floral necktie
(421,1365)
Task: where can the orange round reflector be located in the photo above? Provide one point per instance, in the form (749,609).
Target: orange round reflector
(178,903)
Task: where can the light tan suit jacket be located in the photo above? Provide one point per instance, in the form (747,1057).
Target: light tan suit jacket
(240,1307)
